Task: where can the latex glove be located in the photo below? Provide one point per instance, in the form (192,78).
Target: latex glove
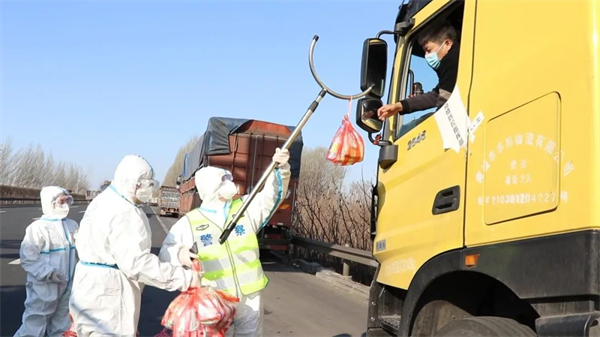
(281,157)
(57,277)
(185,257)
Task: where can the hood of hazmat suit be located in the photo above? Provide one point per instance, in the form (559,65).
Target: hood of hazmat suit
(214,183)
(114,244)
(133,178)
(48,256)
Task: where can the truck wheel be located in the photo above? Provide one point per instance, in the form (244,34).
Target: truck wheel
(485,326)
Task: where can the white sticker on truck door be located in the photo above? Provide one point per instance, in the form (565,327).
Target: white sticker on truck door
(453,122)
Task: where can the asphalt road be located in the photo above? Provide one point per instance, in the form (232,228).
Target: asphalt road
(296,304)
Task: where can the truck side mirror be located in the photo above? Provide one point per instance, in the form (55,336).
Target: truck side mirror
(366,114)
(374,66)
(178,182)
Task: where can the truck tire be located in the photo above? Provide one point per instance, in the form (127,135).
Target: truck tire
(485,326)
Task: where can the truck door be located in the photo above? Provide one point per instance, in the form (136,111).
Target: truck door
(533,152)
(421,196)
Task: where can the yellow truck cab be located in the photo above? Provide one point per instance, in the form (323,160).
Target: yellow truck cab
(486,213)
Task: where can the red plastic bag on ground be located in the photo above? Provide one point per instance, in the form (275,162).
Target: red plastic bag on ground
(200,311)
(347,146)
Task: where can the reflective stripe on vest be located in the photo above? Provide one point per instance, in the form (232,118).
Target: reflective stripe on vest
(235,262)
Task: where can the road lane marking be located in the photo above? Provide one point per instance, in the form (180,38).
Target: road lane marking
(81,211)
(35,219)
(74,207)
(17,261)
(2,212)
(162,224)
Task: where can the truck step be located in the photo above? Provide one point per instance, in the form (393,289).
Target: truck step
(390,324)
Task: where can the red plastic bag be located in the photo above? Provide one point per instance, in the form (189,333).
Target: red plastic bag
(72,332)
(164,333)
(347,146)
(200,311)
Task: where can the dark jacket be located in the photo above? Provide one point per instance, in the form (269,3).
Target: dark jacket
(447,73)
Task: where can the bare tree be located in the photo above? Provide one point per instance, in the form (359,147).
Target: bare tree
(5,157)
(177,166)
(32,167)
(326,209)
(60,175)
(50,168)
(330,211)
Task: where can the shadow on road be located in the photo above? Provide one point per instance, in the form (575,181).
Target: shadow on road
(11,314)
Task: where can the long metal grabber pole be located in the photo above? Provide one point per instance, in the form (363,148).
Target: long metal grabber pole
(311,109)
(270,168)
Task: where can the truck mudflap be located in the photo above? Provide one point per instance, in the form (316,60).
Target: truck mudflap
(584,324)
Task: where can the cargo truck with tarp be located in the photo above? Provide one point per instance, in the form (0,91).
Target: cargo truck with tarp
(168,200)
(244,147)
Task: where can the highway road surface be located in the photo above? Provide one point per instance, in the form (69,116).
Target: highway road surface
(296,304)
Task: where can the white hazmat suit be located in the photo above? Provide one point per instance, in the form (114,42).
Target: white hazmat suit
(216,191)
(114,244)
(48,256)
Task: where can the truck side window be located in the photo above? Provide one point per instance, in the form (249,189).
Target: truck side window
(419,78)
(426,79)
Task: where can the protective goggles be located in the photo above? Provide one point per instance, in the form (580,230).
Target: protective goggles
(149,184)
(63,199)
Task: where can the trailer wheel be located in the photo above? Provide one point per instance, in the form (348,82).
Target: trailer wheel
(485,326)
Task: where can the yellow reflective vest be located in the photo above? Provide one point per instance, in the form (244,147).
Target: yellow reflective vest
(233,265)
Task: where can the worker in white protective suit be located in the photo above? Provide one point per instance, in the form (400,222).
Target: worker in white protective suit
(233,267)
(113,244)
(48,256)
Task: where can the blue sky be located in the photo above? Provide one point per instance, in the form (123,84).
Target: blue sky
(94,81)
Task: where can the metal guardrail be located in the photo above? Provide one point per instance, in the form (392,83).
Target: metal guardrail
(7,201)
(19,201)
(346,253)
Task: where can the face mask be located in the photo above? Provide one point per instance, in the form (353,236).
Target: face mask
(432,58)
(144,194)
(227,190)
(61,211)
(145,189)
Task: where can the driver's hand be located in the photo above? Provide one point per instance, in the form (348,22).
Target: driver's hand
(389,110)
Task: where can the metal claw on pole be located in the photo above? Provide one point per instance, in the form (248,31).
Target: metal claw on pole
(272,166)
